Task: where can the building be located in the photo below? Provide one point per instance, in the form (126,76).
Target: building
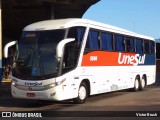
(16,14)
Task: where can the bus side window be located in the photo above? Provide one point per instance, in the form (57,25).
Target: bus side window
(119,43)
(107,41)
(77,33)
(139,46)
(130,45)
(72,49)
(93,41)
(152,47)
(146,47)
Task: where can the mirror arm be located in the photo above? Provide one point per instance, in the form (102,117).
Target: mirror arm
(61,45)
(7,47)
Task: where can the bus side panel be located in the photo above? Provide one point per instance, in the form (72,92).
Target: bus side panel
(125,77)
(117,69)
(101,78)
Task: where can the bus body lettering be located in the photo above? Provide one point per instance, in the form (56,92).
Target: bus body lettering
(93,58)
(131,59)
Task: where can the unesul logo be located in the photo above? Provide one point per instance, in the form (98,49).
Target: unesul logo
(33,83)
(135,59)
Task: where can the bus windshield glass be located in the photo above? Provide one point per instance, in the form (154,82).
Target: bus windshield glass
(36,55)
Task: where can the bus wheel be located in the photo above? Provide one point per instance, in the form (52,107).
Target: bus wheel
(143,83)
(136,85)
(82,94)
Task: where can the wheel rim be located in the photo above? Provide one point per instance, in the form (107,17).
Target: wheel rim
(136,84)
(82,92)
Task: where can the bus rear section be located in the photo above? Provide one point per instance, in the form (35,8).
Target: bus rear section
(119,60)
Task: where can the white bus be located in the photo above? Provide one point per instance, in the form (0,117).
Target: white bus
(74,58)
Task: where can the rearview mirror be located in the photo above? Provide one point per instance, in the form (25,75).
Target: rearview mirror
(7,47)
(61,45)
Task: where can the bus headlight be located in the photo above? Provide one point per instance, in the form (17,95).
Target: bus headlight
(50,86)
(13,83)
(60,82)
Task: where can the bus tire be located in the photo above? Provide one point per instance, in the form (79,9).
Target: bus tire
(82,94)
(142,83)
(136,84)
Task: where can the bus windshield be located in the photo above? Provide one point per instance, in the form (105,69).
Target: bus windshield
(36,55)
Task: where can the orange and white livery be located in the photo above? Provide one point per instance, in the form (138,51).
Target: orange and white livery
(74,58)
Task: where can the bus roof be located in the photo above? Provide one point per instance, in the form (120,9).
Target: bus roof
(70,22)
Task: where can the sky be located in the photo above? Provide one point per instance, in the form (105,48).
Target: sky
(140,16)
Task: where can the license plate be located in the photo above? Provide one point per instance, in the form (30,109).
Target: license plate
(31,95)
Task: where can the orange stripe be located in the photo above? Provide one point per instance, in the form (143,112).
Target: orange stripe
(103,58)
